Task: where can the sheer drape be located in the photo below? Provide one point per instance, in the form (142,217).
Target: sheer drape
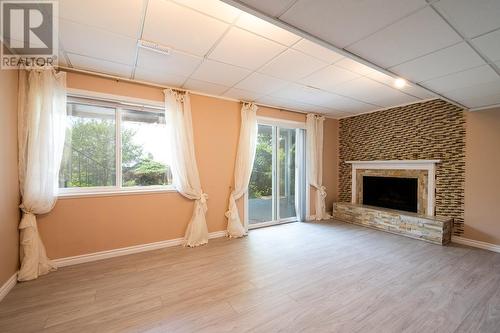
(185,174)
(243,168)
(41,129)
(314,127)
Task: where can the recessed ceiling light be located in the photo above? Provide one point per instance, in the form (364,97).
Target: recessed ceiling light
(400,83)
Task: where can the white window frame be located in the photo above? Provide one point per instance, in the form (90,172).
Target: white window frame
(119,103)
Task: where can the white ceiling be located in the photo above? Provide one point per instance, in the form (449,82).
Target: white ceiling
(451,47)
(218,49)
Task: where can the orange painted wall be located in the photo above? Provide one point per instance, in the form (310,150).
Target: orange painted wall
(85,225)
(9,195)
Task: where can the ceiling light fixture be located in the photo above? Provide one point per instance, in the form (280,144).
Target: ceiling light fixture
(155,47)
(400,83)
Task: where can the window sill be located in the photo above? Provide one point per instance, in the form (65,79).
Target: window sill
(115,192)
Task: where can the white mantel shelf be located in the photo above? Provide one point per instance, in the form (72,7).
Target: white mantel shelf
(429,165)
(395,162)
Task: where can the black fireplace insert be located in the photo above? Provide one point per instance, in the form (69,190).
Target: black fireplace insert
(391,192)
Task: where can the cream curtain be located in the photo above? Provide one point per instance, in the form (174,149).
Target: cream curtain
(183,163)
(243,167)
(314,127)
(41,129)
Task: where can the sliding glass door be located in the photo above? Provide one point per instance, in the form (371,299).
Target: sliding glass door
(272,195)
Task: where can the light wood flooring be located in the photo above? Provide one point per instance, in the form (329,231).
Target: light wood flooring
(311,277)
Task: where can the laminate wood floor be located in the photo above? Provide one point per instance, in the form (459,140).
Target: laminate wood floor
(311,277)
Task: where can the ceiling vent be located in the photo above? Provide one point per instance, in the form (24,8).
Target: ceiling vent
(155,47)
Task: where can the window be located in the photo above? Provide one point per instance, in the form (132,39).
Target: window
(113,147)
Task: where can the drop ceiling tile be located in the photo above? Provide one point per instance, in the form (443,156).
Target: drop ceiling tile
(381,77)
(175,63)
(369,91)
(489,45)
(333,102)
(245,49)
(482,101)
(159,77)
(97,43)
(471,18)
(241,94)
(214,8)
(261,83)
(317,51)
(271,8)
(329,77)
(271,101)
(118,16)
(452,59)
(205,87)
(344,22)
(181,28)
(292,65)
(266,29)
(354,66)
(350,105)
(478,95)
(99,65)
(312,96)
(464,79)
(281,103)
(217,72)
(412,37)
(303,94)
(417,91)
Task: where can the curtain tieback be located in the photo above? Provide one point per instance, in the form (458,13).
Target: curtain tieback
(28,220)
(232,205)
(203,200)
(322,191)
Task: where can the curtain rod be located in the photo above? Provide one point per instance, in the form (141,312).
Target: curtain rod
(149,84)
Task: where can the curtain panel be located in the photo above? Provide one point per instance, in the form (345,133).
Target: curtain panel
(183,164)
(314,127)
(242,168)
(41,131)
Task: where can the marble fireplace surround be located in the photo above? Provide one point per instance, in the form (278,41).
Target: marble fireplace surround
(423,170)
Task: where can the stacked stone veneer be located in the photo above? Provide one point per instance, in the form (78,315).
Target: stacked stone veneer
(421,131)
(432,229)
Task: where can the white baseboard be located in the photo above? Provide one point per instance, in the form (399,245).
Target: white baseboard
(475,243)
(68,261)
(7,286)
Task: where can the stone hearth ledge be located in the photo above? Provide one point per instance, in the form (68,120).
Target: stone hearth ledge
(433,229)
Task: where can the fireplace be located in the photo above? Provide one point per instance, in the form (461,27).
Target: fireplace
(414,178)
(391,192)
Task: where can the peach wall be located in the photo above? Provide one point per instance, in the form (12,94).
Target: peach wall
(482,179)
(9,195)
(85,225)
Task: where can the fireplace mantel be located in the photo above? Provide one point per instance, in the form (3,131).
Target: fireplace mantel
(428,165)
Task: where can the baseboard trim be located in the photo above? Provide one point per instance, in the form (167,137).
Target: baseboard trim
(75,260)
(7,286)
(475,243)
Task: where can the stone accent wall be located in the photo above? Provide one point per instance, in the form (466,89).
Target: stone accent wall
(428,130)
